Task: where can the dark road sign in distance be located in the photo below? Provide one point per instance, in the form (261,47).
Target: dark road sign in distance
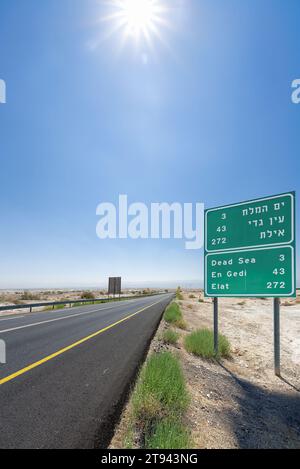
(114,286)
(250,248)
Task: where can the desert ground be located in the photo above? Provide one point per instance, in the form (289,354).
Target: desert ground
(24,297)
(239,402)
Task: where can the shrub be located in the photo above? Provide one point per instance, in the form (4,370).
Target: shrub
(170,336)
(179,295)
(181,324)
(201,343)
(28,296)
(172,313)
(158,403)
(87,295)
(160,388)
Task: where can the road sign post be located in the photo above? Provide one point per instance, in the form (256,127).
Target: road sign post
(250,252)
(216,326)
(277,336)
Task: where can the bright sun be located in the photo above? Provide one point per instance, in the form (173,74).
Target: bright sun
(139,16)
(138,19)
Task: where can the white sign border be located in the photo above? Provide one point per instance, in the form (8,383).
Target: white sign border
(260,295)
(246,203)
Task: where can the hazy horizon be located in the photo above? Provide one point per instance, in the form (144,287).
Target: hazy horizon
(103,286)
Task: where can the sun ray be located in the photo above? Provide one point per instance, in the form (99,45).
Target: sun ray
(137,18)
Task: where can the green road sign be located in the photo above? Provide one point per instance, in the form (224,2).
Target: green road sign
(250,248)
(258,223)
(255,272)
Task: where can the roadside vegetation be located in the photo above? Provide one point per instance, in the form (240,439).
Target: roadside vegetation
(173,315)
(201,343)
(170,336)
(158,405)
(179,295)
(55,307)
(87,295)
(157,417)
(28,296)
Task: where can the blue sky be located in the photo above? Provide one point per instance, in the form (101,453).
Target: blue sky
(204,116)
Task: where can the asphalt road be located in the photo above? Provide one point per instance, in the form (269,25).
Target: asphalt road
(68,371)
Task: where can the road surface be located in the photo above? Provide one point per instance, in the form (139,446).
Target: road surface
(68,371)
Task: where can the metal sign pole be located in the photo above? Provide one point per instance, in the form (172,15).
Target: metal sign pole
(216,326)
(277,336)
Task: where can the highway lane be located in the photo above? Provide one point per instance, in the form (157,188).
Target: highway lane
(29,339)
(67,371)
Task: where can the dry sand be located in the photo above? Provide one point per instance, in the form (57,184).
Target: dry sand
(240,403)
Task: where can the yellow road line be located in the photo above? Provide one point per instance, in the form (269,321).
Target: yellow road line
(69,347)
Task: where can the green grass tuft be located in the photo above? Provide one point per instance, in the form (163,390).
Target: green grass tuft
(172,313)
(201,343)
(160,387)
(181,324)
(170,336)
(158,403)
(169,434)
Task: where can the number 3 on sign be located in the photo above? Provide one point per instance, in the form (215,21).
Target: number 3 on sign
(279,271)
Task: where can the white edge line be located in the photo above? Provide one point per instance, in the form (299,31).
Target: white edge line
(11,319)
(59,319)
(53,320)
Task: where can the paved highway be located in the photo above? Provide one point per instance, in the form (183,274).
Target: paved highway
(67,371)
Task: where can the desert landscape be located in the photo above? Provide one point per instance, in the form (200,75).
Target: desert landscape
(238,402)
(28,297)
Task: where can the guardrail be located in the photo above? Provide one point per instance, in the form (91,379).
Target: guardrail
(74,302)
